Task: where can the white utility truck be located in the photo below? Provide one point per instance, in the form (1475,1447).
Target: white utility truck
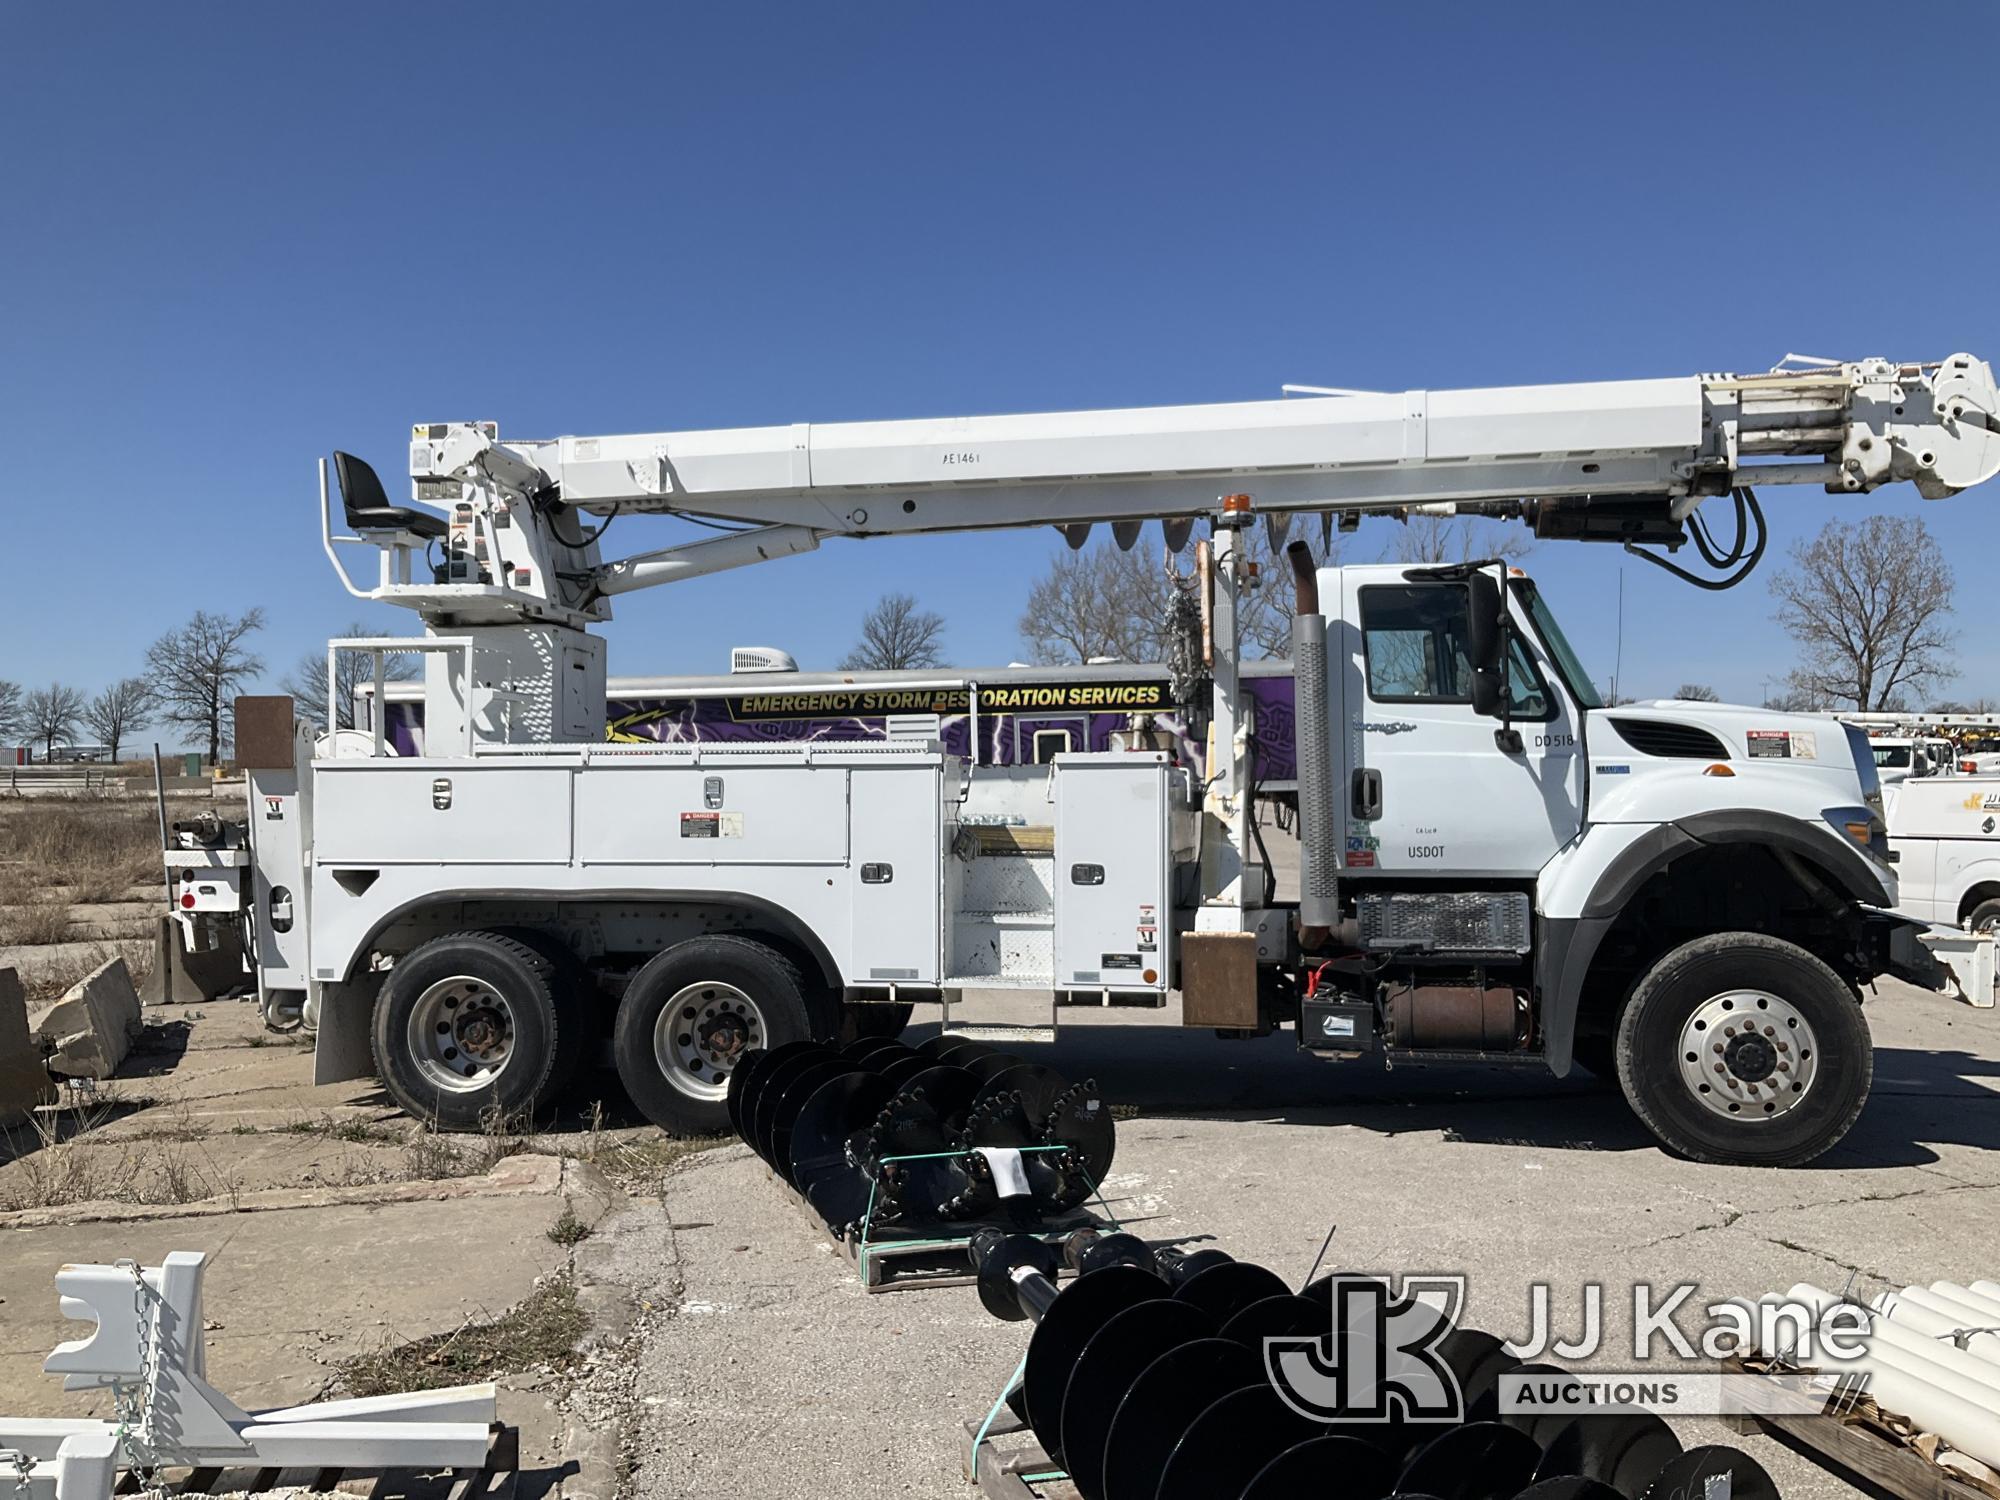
(1495,865)
(1946,835)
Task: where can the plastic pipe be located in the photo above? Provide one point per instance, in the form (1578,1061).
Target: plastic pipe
(1979,1373)
(1923,1320)
(1961,1413)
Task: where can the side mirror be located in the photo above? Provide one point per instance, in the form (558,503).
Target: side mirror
(1483,637)
(1486,643)
(1486,692)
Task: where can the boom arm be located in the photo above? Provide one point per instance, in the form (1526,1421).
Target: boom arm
(1612,460)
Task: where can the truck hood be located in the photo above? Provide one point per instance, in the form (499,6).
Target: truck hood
(1745,733)
(1670,759)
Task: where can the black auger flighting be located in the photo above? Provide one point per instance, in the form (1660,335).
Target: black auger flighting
(948,1132)
(1146,1378)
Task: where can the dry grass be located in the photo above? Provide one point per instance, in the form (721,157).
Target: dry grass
(96,851)
(568,1229)
(39,921)
(57,1163)
(352,1130)
(635,1166)
(540,1332)
(50,979)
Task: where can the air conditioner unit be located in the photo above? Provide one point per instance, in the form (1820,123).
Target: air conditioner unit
(760,659)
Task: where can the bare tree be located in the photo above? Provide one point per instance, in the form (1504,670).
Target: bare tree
(197,669)
(352,671)
(1696,692)
(1265,612)
(52,715)
(1802,695)
(896,636)
(11,720)
(1457,539)
(1867,605)
(1099,602)
(118,711)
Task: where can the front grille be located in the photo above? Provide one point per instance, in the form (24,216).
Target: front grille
(1661,737)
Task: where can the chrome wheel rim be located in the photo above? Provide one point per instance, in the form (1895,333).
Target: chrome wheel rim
(1748,1055)
(461,1034)
(701,1033)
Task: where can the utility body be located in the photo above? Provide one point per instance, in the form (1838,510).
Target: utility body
(1946,835)
(1689,897)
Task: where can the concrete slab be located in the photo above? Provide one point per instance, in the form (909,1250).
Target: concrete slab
(24,1081)
(290,1294)
(91,1027)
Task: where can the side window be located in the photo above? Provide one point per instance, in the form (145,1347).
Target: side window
(1528,693)
(1413,640)
(1049,743)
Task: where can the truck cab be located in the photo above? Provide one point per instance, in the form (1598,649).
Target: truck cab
(1529,874)
(1899,759)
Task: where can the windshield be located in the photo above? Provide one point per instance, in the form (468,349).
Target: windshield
(1567,666)
(1892,757)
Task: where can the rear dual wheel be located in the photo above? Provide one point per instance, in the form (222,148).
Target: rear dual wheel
(692,1013)
(474,1028)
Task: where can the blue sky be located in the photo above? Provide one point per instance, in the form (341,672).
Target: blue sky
(238,236)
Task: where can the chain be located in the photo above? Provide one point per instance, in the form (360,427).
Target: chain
(133,1401)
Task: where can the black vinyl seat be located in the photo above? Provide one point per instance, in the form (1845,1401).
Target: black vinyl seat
(367,503)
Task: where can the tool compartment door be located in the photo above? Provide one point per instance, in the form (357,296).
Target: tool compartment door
(1112,871)
(895,874)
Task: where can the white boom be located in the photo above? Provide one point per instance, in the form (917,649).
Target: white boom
(1615,461)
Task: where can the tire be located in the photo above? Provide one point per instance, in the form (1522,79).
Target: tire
(1780,1094)
(887,1021)
(1985,917)
(468,1028)
(747,994)
(573,988)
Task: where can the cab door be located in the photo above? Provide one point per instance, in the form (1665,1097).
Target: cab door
(1426,789)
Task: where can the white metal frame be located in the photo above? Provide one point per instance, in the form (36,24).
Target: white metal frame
(147,1347)
(380,647)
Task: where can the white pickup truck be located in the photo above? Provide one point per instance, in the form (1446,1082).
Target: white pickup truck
(1945,832)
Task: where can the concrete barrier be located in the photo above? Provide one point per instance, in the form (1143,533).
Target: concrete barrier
(92,1026)
(24,1081)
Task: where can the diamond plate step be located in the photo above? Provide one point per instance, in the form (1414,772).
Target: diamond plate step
(980,1031)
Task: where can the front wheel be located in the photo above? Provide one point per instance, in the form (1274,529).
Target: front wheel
(1740,1048)
(690,1015)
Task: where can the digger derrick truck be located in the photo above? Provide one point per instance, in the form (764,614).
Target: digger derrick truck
(1495,864)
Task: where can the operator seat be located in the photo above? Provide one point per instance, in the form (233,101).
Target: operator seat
(367,503)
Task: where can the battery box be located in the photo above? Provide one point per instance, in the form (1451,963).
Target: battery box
(1337,1026)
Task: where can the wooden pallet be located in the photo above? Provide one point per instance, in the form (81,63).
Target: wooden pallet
(1862,1442)
(1010,1464)
(495,1480)
(903,1261)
